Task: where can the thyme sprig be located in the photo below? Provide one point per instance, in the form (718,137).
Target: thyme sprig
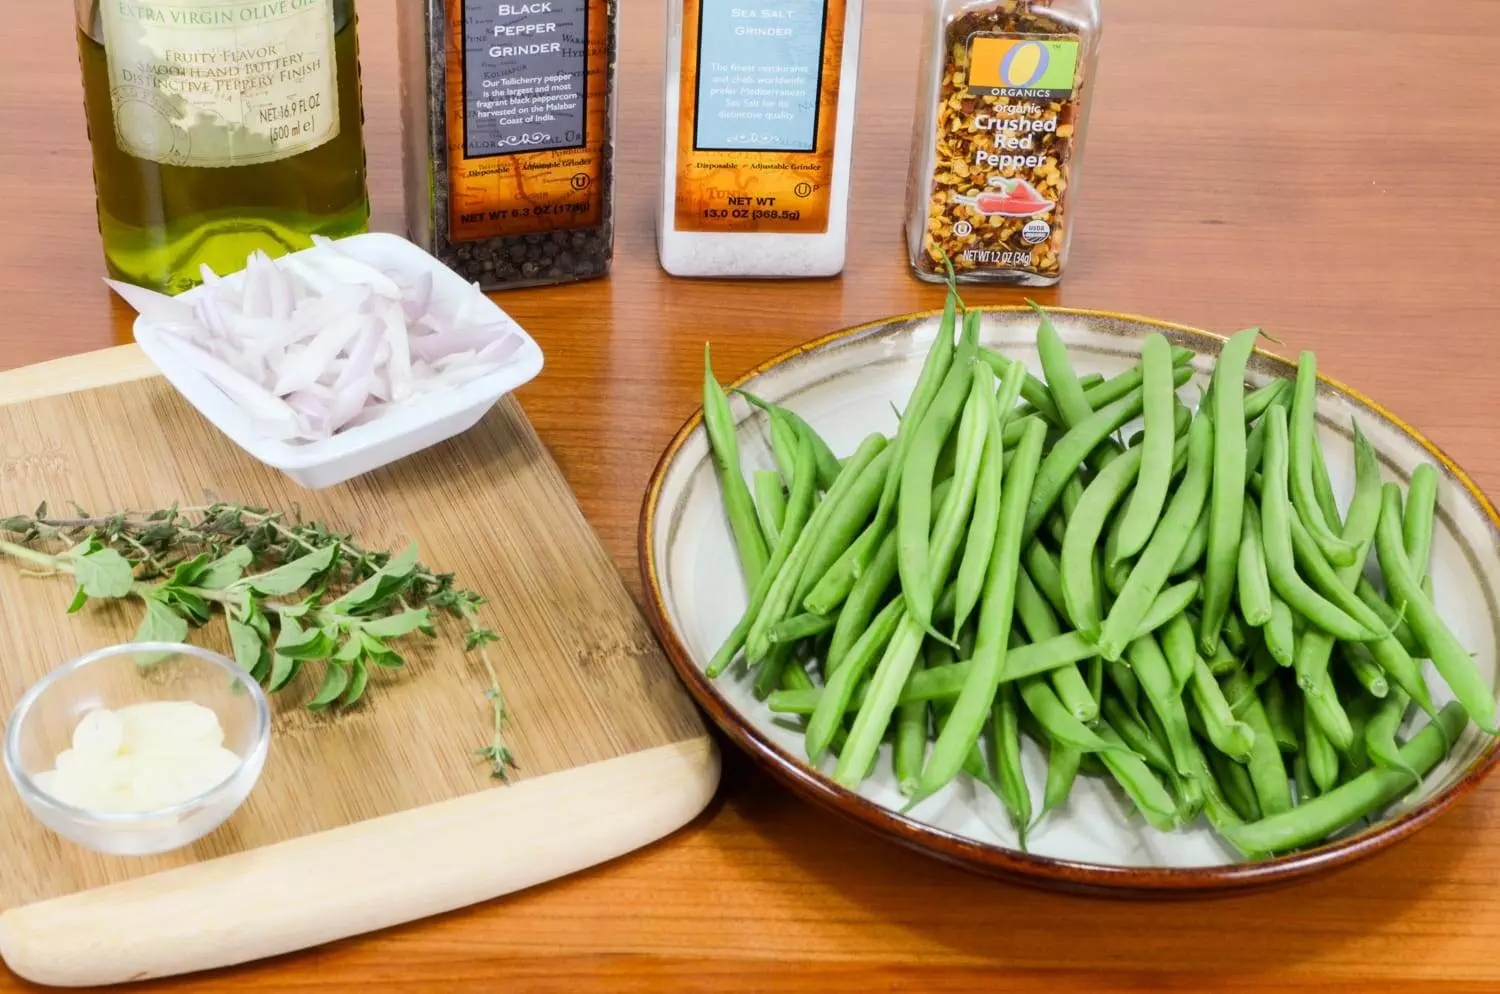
(293,593)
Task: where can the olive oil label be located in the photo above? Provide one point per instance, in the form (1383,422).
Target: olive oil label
(528,88)
(757,114)
(215,83)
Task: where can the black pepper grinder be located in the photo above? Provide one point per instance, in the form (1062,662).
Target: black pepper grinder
(509,114)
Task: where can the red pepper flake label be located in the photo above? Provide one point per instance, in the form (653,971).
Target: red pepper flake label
(1005,137)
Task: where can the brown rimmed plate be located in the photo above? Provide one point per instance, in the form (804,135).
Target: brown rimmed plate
(845,385)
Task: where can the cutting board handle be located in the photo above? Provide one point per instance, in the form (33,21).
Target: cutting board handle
(327,886)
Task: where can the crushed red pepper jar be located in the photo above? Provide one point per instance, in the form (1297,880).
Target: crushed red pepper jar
(1003,105)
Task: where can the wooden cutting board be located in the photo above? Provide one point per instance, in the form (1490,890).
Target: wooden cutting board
(381,814)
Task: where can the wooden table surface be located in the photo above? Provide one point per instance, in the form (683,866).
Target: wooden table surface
(1329,170)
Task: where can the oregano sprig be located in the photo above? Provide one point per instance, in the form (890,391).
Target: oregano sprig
(292,593)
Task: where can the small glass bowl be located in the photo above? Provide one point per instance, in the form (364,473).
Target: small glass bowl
(137,673)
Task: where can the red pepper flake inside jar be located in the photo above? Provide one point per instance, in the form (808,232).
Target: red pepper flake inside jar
(1005,88)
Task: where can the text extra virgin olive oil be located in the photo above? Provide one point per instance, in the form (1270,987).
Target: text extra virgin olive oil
(220,127)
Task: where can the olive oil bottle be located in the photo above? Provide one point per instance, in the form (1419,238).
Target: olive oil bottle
(220,127)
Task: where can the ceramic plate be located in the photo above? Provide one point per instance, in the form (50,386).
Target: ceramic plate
(845,386)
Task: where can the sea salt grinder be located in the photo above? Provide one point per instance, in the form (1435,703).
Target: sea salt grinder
(758,133)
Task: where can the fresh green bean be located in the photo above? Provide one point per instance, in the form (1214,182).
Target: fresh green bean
(784,434)
(1063,462)
(1223,660)
(1097,393)
(1234,634)
(779,598)
(981,538)
(1063,764)
(718,424)
(1267,771)
(1255,448)
(1137,736)
(911,738)
(830,590)
(1123,677)
(1150,495)
(1229,735)
(1328,582)
(1448,655)
(799,512)
(944,684)
(1079,560)
(1169,604)
(875,713)
(1416,523)
(1279,715)
(1234,784)
(770,503)
(849,507)
(1216,803)
(1197,543)
(801,626)
(1253,587)
(1181,649)
(1322,757)
(1319,698)
(1380,735)
(768,672)
(1304,452)
(995,614)
(1149,574)
(1277,531)
(1263,665)
(1046,573)
(1058,722)
(1257,400)
(975,765)
(835,698)
(1280,633)
(1062,382)
(1182,420)
(1155,675)
(1362,708)
(861,604)
(1360,797)
(828,465)
(1226,497)
(1394,623)
(914,503)
(1005,741)
(1314,648)
(1041,624)
(1130,771)
(978,421)
(1368,672)
(1302,780)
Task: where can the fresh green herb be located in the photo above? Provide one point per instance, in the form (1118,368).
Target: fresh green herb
(292,592)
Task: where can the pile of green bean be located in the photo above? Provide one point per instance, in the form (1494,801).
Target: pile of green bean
(1187,613)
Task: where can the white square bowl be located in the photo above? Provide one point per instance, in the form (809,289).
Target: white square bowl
(408,428)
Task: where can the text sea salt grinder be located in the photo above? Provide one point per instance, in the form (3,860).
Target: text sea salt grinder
(1004,92)
(759,126)
(508,111)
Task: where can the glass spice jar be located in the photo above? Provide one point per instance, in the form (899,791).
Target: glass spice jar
(508,115)
(1003,105)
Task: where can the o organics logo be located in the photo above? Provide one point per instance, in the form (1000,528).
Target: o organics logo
(1000,64)
(1024,65)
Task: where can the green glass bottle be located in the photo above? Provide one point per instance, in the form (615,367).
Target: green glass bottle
(220,127)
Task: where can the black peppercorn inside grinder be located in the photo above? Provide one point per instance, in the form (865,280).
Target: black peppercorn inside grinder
(509,134)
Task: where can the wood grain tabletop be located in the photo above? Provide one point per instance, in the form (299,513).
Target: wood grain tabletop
(1329,170)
